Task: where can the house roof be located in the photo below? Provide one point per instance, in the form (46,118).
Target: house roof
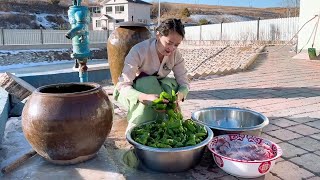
(139,2)
(105,17)
(131,1)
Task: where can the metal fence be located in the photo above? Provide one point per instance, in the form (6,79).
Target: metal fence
(39,36)
(282,29)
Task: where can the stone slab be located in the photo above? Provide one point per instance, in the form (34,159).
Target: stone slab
(288,170)
(308,161)
(290,151)
(306,143)
(4,111)
(284,134)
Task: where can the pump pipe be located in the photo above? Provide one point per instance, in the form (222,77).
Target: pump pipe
(79,19)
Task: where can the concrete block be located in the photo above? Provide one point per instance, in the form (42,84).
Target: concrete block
(4,110)
(16,106)
(41,79)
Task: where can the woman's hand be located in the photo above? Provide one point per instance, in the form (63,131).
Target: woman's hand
(148,98)
(180,98)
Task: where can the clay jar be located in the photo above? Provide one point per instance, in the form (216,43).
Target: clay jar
(67,123)
(120,42)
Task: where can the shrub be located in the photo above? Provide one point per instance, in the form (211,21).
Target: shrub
(54,2)
(185,12)
(203,22)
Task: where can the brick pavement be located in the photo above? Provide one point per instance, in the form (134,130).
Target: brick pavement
(287,92)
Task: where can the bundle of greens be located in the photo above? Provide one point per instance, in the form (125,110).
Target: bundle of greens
(172,132)
(159,103)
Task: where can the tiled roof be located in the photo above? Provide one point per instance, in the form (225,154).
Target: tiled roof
(132,1)
(139,2)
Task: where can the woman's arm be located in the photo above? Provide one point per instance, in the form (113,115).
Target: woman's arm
(180,73)
(132,64)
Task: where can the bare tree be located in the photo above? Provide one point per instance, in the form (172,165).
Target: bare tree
(291,4)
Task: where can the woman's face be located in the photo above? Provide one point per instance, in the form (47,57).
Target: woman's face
(168,44)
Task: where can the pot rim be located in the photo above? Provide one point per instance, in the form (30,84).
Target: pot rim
(95,87)
(169,150)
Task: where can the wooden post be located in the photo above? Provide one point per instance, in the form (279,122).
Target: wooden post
(41,35)
(7,169)
(221,31)
(258,29)
(200,32)
(2,35)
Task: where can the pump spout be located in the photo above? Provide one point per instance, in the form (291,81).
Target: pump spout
(79,29)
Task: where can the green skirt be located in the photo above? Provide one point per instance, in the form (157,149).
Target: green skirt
(137,112)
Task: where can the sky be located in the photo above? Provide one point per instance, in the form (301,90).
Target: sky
(243,3)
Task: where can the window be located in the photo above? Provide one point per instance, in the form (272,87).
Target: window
(95,9)
(119,20)
(119,9)
(98,23)
(109,10)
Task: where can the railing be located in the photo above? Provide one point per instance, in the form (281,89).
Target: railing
(39,36)
(282,29)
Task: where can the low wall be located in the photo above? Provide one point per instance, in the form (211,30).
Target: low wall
(94,75)
(230,43)
(4,111)
(98,74)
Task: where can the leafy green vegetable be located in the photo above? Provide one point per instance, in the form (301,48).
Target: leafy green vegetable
(172,132)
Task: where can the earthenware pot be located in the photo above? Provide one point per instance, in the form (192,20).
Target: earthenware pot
(120,42)
(67,123)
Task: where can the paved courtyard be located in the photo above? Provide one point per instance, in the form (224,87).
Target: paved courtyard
(287,91)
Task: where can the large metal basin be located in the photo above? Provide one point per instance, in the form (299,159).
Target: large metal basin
(170,159)
(226,120)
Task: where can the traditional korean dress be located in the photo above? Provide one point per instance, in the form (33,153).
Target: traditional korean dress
(144,73)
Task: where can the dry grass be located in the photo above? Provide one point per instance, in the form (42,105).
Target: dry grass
(173,10)
(168,10)
(10,21)
(24,6)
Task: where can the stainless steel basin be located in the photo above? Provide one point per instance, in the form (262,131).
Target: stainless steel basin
(225,120)
(170,159)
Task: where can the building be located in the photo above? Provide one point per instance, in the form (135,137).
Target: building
(308,10)
(95,12)
(115,11)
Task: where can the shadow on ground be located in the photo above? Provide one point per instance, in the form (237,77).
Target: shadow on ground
(255,93)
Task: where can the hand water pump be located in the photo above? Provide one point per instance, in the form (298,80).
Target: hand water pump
(79,18)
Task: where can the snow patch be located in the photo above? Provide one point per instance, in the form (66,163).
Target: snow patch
(23,65)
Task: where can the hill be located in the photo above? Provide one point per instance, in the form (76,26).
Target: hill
(24,14)
(32,15)
(216,14)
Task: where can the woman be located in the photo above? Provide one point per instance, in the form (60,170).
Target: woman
(145,71)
